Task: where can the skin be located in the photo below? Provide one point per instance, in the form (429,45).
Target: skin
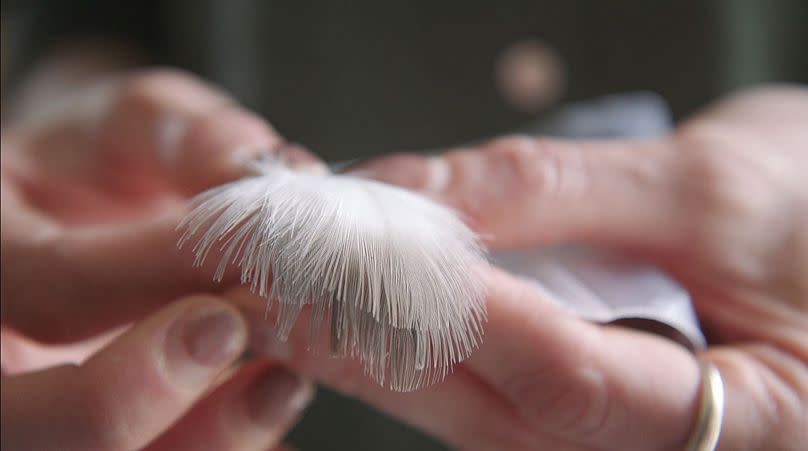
(90,197)
(720,203)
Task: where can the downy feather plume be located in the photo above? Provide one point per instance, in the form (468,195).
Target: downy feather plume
(391,277)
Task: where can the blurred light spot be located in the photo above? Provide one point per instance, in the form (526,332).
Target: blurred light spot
(530,75)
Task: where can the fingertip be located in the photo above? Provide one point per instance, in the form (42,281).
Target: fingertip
(218,146)
(205,337)
(505,288)
(223,145)
(169,360)
(138,385)
(277,396)
(301,159)
(407,170)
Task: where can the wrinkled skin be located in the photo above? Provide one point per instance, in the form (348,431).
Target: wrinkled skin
(721,203)
(88,245)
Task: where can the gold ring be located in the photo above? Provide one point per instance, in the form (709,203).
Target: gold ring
(711,410)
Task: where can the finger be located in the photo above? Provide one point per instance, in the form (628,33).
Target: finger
(158,128)
(22,355)
(581,382)
(522,191)
(462,411)
(251,411)
(132,390)
(210,143)
(541,378)
(57,289)
(766,390)
(196,143)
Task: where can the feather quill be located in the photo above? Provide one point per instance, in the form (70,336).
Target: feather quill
(389,275)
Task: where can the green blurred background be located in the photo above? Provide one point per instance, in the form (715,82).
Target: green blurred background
(362,78)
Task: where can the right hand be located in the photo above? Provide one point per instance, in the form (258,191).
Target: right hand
(722,203)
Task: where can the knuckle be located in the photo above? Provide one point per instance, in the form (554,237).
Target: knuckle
(529,166)
(710,186)
(738,203)
(513,172)
(711,178)
(473,209)
(721,190)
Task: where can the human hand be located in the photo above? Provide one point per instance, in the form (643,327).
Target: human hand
(93,188)
(721,203)
(91,192)
(158,386)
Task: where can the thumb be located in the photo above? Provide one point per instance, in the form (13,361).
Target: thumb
(521,191)
(132,390)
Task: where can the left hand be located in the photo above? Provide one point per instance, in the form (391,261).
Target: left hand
(91,195)
(93,190)
(167,383)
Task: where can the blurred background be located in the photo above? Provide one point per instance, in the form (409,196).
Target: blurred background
(362,78)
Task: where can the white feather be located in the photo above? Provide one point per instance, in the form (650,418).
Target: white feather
(391,275)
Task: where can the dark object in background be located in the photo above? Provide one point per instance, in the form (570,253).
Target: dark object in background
(354,79)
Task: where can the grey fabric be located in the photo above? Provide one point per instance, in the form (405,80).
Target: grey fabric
(594,284)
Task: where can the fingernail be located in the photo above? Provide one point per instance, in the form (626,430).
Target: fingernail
(199,346)
(277,396)
(309,167)
(416,172)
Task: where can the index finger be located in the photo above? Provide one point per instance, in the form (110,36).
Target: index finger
(521,191)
